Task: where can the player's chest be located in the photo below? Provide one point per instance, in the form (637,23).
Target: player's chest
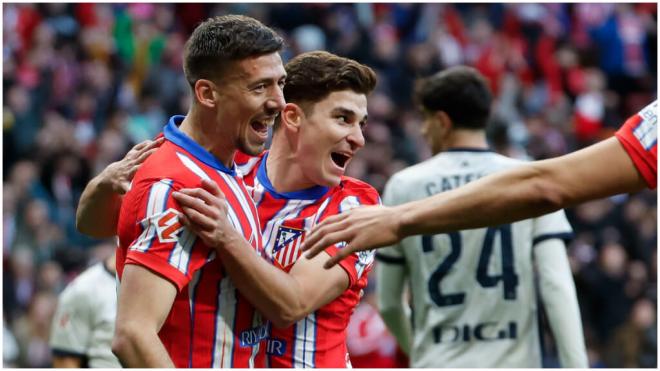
(285,225)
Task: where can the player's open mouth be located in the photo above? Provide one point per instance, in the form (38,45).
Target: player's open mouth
(340,159)
(261,127)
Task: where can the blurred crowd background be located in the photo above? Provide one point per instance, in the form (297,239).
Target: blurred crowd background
(82,83)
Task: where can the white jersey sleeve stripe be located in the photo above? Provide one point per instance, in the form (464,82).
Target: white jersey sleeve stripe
(156,204)
(180,255)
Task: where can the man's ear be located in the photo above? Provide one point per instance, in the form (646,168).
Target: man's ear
(445,121)
(291,117)
(205,93)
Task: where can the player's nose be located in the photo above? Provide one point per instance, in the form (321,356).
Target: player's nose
(356,138)
(276,102)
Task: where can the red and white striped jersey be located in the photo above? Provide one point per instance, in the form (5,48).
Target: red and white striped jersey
(210,323)
(639,137)
(318,340)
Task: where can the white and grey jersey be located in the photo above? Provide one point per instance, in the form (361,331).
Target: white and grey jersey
(84,322)
(474,301)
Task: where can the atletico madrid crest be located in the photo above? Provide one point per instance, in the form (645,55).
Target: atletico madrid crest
(287,245)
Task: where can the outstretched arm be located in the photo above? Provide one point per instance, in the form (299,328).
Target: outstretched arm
(98,209)
(529,190)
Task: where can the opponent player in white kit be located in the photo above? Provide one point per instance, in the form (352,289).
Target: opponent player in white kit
(474,291)
(84,322)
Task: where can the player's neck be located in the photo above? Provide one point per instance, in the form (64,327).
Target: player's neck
(283,171)
(201,127)
(463,138)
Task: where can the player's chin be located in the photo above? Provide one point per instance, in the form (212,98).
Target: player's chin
(253,147)
(331,179)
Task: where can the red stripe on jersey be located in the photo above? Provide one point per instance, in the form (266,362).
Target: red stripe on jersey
(208,315)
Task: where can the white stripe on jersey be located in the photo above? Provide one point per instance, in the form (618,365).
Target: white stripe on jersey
(646,132)
(257,191)
(292,253)
(319,212)
(246,204)
(180,256)
(192,166)
(305,342)
(191,291)
(247,167)
(257,321)
(223,351)
(156,204)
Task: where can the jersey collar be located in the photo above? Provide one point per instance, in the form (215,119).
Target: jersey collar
(176,136)
(468,149)
(312,193)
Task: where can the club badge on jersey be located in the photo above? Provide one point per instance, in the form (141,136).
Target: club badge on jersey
(287,245)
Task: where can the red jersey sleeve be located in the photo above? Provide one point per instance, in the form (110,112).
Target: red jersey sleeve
(639,137)
(161,243)
(356,194)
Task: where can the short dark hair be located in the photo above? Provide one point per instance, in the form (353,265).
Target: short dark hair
(220,40)
(312,76)
(461,92)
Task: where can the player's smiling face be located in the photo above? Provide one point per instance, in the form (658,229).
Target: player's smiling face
(249,98)
(330,135)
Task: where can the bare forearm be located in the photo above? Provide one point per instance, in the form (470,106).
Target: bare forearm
(98,209)
(273,292)
(496,199)
(137,348)
(528,191)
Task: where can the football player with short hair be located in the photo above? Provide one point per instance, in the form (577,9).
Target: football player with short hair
(474,292)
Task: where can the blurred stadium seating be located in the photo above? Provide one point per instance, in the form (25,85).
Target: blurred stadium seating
(83,82)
